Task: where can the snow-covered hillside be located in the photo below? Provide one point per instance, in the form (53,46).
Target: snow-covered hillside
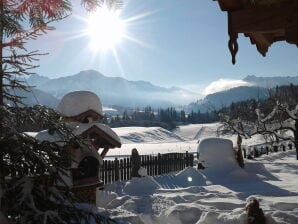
(153,140)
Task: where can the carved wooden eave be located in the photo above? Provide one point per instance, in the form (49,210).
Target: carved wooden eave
(101,138)
(263,21)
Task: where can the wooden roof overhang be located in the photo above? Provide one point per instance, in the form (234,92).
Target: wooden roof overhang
(100,138)
(263,21)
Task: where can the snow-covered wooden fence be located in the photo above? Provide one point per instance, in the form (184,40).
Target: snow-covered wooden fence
(254,151)
(120,169)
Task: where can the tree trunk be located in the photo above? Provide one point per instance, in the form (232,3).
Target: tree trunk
(296,138)
(239,152)
(1,57)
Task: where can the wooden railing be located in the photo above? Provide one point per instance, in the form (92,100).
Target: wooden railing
(120,169)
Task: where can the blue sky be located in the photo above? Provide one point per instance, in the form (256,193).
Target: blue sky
(185,45)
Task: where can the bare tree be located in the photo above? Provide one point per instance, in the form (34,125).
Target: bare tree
(276,117)
(282,123)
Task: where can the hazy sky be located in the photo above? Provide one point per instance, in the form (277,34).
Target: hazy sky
(183,43)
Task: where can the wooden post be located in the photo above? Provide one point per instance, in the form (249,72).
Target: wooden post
(155,165)
(121,170)
(244,152)
(124,169)
(128,168)
(109,171)
(150,166)
(106,171)
(240,159)
(104,152)
(191,160)
(159,162)
(112,171)
(186,159)
(135,163)
(116,169)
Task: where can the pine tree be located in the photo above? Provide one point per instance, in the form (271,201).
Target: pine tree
(31,184)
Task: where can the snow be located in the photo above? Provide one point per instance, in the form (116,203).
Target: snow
(142,172)
(77,102)
(79,128)
(205,196)
(154,140)
(146,134)
(190,177)
(170,199)
(46,136)
(217,155)
(141,186)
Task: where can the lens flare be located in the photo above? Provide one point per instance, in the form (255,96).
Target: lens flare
(105,29)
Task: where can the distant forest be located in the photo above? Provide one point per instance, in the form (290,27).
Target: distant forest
(167,118)
(171,117)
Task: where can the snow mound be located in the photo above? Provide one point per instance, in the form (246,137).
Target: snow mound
(141,186)
(190,177)
(217,155)
(103,198)
(238,216)
(77,102)
(142,172)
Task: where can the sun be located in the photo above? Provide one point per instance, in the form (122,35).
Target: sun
(105,29)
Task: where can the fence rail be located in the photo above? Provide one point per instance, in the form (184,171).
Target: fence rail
(120,169)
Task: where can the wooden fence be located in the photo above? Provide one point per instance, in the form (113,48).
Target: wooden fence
(120,169)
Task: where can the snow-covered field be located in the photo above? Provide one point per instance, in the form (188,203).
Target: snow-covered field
(193,196)
(154,140)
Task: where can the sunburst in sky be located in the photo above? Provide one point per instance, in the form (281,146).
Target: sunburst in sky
(105,29)
(165,42)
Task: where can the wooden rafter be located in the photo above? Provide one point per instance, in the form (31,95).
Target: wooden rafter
(264,22)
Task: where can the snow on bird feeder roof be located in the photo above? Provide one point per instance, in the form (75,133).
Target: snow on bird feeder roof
(78,102)
(80,129)
(104,129)
(76,107)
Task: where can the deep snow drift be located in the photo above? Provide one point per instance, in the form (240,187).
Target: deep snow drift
(209,196)
(192,196)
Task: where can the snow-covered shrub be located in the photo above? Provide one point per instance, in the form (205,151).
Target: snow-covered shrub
(217,154)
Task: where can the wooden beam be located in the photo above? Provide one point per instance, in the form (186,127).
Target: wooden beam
(229,5)
(262,42)
(259,20)
(101,134)
(104,152)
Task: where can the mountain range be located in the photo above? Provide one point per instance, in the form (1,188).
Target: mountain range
(114,90)
(225,98)
(117,91)
(257,89)
(270,82)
